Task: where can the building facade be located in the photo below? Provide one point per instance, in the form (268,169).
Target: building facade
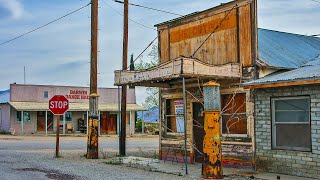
(216,44)
(27,111)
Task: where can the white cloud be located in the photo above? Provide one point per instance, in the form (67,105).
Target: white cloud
(14,6)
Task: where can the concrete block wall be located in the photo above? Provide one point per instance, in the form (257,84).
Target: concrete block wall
(306,164)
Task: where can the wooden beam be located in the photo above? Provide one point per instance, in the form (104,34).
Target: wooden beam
(282,84)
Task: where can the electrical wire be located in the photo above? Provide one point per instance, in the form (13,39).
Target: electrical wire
(145,49)
(40,27)
(315,1)
(150,8)
(141,24)
(225,17)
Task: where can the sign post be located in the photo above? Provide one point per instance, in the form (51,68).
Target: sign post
(58,105)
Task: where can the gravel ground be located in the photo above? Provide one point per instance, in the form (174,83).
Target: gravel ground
(32,158)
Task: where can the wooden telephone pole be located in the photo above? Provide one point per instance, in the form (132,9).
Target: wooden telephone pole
(122,139)
(92,145)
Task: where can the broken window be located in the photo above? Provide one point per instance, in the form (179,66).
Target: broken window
(234,118)
(291,123)
(174,116)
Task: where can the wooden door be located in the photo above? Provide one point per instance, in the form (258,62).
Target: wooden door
(41,121)
(112,124)
(198,131)
(103,123)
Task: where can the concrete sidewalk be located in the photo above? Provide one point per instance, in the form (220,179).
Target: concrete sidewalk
(194,170)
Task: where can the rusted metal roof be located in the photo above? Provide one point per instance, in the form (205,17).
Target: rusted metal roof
(308,71)
(285,50)
(40,106)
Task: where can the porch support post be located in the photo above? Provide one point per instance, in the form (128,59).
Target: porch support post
(185,122)
(46,122)
(142,123)
(87,121)
(64,124)
(99,123)
(130,131)
(22,119)
(119,110)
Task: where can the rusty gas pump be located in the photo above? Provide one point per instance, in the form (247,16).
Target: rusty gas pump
(212,155)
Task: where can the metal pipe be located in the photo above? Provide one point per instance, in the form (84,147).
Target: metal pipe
(142,119)
(185,122)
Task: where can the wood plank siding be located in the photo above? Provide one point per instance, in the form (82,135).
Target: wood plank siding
(223,46)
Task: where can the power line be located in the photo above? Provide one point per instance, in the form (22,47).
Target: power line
(315,1)
(225,17)
(150,8)
(145,49)
(40,27)
(141,24)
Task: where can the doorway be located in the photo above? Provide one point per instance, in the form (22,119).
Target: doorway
(198,130)
(41,121)
(108,123)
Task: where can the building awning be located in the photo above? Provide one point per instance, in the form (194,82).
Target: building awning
(160,76)
(40,106)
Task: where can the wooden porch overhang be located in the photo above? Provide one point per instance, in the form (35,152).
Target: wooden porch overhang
(162,75)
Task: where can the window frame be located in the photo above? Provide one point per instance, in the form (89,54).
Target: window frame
(168,116)
(274,123)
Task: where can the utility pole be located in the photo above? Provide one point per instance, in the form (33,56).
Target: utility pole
(92,145)
(122,139)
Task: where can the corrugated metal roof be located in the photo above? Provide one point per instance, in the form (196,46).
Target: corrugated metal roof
(310,70)
(5,96)
(286,50)
(38,106)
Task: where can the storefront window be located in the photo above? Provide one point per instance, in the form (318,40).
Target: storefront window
(26,116)
(68,116)
(174,116)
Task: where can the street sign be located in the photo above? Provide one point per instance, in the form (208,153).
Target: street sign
(58,104)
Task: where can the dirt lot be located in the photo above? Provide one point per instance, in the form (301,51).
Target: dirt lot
(31,157)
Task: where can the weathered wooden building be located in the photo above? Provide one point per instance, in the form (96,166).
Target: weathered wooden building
(218,44)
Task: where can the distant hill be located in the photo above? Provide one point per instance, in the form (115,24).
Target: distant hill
(151,115)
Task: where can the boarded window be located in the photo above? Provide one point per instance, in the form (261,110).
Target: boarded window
(234,118)
(174,116)
(291,123)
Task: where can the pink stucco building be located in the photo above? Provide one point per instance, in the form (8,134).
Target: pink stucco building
(27,110)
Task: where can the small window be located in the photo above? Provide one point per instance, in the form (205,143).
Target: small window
(291,123)
(45,94)
(234,117)
(174,116)
(26,116)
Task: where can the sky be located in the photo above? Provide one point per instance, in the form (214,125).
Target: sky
(59,54)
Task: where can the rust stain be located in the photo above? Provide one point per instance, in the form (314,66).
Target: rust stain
(92,152)
(203,29)
(212,161)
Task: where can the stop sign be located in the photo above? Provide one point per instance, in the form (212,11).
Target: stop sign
(58,104)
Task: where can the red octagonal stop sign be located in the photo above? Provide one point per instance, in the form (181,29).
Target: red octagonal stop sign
(58,104)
